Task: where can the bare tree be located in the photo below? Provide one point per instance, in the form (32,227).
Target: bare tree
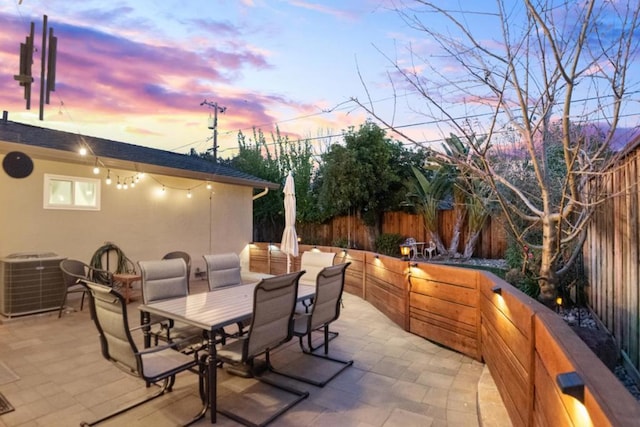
(559,70)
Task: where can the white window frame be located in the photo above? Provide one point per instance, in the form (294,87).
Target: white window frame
(74,180)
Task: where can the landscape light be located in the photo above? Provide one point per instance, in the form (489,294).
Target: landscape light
(571,384)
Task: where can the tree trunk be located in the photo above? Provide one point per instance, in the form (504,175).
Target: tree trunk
(470,246)
(548,279)
(435,237)
(372,232)
(455,240)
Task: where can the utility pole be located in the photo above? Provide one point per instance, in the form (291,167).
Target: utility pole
(214,125)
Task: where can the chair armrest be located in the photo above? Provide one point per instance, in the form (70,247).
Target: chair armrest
(143,325)
(174,345)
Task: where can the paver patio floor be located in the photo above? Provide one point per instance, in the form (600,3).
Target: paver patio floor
(397,379)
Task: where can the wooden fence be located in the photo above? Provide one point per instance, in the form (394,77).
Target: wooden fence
(612,260)
(491,244)
(524,344)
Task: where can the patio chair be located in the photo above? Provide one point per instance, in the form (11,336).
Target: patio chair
(187,259)
(162,280)
(72,271)
(153,365)
(273,309)
(313,262)
(223,270)
(413,245)
(325,309)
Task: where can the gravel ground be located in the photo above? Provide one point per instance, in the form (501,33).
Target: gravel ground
(583,318)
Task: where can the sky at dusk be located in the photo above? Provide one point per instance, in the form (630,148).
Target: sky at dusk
(138,71)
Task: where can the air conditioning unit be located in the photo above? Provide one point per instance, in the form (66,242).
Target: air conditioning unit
(30,283)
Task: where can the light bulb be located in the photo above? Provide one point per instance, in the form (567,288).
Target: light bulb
(125,185)
(189,194)
(83,151)
(208,186)
(108,181)
(118,185)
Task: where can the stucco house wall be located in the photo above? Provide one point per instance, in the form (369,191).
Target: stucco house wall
(145,222)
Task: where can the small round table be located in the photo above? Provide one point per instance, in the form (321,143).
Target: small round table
(126,280)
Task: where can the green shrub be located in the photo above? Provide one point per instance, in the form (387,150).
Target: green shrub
(389,244)
(513,256)
(523,281)
(340,242)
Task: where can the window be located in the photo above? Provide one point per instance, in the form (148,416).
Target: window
(66,192)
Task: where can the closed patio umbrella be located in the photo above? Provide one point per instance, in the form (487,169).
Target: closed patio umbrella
(289,243)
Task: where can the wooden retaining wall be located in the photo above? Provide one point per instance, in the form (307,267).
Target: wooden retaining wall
(524,344)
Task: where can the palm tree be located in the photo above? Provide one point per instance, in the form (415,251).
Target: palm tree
(426,194)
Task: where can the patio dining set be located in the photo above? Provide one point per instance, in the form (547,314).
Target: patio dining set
(234,326)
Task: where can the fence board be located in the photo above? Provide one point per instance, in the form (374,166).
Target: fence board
(633,349)
(612,257)
(491,244)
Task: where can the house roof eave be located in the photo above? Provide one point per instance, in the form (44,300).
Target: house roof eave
(62,147)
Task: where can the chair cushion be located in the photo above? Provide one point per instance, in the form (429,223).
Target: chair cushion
(232,352)
(313,262)
(157,363)
(223,270)
(163,279)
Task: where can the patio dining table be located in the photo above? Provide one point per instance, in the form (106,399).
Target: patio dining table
(211,311)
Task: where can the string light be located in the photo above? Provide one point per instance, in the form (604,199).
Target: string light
(118,185)
(208,185)
(96,169)
(189,194)
(125,185)
(108,181)
(163,188)
(83,150)
(133,183)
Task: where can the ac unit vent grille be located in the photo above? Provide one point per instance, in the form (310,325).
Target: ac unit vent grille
(30,283)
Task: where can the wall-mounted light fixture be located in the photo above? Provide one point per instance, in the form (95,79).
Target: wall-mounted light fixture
(405,250)
(571,384)
(497,290)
